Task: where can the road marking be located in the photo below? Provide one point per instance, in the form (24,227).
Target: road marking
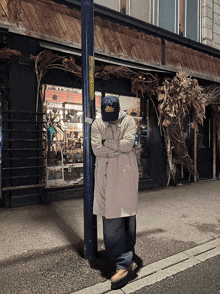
(96,289)
(161,269)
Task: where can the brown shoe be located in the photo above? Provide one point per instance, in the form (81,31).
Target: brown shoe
(122,274)
(132,267)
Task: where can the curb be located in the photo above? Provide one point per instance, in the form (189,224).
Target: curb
(161,269)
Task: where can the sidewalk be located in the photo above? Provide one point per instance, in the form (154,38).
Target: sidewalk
(48,240)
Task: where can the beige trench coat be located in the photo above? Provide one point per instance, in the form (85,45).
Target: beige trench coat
(116,171)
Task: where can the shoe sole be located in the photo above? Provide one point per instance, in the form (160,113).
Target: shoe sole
(119,283)
(124,280)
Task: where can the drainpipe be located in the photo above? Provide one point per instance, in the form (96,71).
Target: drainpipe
(90,220)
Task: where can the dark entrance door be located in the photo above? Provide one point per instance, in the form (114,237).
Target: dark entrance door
(205,147)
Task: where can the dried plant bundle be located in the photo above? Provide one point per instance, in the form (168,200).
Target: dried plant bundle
(6,53)
(178,97)
(213,99)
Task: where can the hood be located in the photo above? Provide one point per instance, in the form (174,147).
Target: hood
(122,114)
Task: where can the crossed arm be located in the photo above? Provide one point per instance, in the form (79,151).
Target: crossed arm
(113,148)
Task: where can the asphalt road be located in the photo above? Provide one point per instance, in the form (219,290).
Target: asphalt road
(59,272)
(203,278)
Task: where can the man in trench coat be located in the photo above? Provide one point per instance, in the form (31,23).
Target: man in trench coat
(116,184)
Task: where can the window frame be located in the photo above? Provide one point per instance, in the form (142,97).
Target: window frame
(155,16)
(199,20)
(128,9)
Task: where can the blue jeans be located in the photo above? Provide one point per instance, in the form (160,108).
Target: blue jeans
(120,238)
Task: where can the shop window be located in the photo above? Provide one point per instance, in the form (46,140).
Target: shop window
(63,125)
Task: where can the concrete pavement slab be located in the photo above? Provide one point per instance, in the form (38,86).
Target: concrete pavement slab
(169,221)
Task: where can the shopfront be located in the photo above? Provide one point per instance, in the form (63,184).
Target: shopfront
(41,97)
(64,137)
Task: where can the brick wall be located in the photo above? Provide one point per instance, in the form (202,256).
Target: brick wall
(66,96)
(62,96)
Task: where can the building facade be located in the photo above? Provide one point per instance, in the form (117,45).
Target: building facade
(197,20)
(40,86)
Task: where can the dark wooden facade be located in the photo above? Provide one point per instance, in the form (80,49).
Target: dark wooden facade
(29,26)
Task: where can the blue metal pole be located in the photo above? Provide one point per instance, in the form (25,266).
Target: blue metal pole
(90,221)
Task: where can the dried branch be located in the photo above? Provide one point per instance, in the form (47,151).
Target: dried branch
(6,53)
(47,60)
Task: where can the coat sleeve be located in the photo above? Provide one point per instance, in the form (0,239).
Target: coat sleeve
(97,146)
(127,142)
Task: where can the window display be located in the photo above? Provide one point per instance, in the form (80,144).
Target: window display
(64,136)
(63,126)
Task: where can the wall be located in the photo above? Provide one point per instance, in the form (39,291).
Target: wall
(211,23)
(23,159)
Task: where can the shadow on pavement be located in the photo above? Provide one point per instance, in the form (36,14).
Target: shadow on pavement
(76,242)
(150,232)
(107,268)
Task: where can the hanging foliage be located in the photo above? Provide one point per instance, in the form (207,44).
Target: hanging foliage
(144,83)
(105,72)
(6,53)
(212,93)
(213,99)
(177,98)
(47,60)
